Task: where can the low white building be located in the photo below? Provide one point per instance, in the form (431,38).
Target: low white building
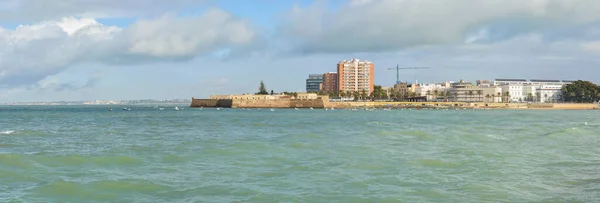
(432,89)
(521,90)
(549,93)
(513,92)
(474,94)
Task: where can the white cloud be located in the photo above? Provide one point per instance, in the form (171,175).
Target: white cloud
(387,25)
(36,10)
(213,30)
(32,52)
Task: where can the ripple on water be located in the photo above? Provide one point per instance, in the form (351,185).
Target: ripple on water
(416,133)
(70,191)
(436,163)
(87,154)
(174,159)
(14,161)
(78,160)
(15,176)
(126,186)
(6,145)
(105,190)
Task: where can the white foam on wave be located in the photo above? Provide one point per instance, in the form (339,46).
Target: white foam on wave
(498,137)
(8,132)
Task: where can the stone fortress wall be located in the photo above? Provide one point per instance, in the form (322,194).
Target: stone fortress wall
(263,101)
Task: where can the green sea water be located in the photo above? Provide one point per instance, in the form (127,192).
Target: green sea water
(89,154)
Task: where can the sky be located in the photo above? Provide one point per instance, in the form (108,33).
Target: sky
(72,50)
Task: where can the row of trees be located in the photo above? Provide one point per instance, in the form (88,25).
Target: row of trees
(581,92)
(470,96)
(377,94)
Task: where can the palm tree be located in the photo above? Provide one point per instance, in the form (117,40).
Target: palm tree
(342,94)
(507,95)
(499,95)
(435,94)
(529,97)
(487,97)
(428,93)
(538,96)
(479,92)
(363,94)
(470,95)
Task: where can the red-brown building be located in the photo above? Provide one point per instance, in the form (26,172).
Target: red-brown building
(330,82)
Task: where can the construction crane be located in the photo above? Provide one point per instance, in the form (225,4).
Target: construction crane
(398,68)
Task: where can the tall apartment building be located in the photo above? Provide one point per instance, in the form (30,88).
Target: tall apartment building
(330,82)
(314,82)
(356,75)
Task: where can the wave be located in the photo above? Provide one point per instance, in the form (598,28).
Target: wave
(24,132)
(567,131)
(8,132)
(498,137)
(381,123)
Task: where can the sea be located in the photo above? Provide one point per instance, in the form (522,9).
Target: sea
(145,154)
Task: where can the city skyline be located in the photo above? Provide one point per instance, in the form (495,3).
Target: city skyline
(110,50)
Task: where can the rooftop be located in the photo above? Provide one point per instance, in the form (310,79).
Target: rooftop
(355,60)
(536,80)
(509,80)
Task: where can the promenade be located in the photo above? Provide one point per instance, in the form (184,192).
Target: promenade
(541,106)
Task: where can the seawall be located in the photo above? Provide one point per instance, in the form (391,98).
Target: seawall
(548,106)
(261,103)
(225,103)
